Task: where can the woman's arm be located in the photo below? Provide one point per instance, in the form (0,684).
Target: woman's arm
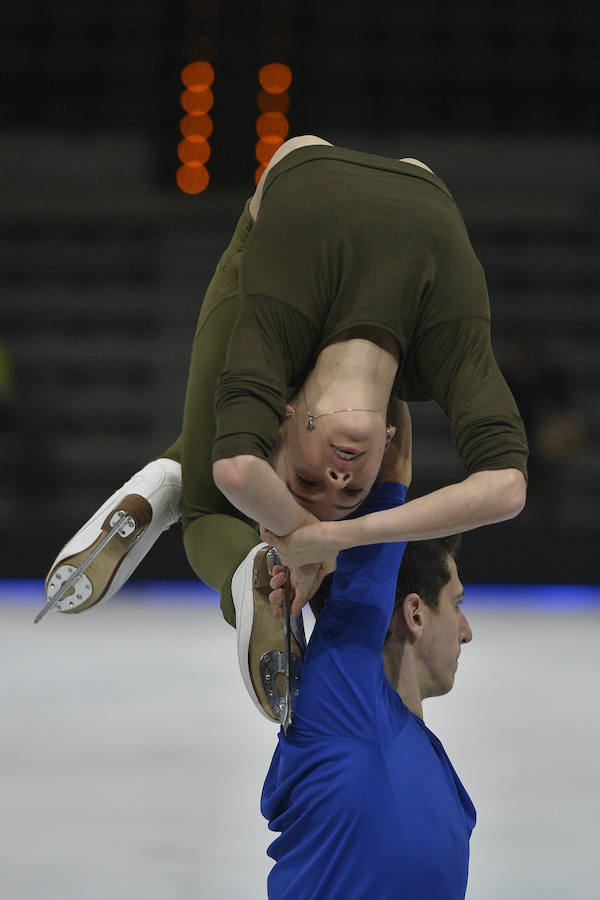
(481,499)
(252,486)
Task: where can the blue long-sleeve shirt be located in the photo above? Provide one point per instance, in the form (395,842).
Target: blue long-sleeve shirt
(363,794)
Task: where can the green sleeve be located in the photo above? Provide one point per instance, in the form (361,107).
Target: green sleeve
(456,365)
(271,350)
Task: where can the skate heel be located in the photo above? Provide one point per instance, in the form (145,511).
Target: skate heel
(91,570)
(97,561)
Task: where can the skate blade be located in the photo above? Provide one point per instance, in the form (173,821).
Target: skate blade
(279,667)
(81,580)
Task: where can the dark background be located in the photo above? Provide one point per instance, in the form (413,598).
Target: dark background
(104,261)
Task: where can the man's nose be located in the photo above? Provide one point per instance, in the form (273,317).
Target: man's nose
(338,479)
(466,635)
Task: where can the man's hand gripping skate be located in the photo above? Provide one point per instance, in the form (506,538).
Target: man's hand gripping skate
(304,582)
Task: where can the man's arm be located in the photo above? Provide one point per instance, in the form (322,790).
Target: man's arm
(343,672)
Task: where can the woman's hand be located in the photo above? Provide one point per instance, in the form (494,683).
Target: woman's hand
(306,545)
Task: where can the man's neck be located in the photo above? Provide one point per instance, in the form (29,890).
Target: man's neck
(401,672)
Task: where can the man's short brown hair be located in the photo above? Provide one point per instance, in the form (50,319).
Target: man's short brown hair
(424,569)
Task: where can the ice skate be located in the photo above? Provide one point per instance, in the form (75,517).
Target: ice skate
(99,559)
(270,650)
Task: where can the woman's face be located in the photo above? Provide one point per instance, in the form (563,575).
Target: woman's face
(331,469)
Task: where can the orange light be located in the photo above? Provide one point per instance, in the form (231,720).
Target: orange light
(196,127)
(197,102)
(192,179)
(266,147)
(275,77)
(201,125)
(193,152)
(273,102)
(198,73)
(272,124)
(259,172)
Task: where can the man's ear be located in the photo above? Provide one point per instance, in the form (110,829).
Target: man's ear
(413,616)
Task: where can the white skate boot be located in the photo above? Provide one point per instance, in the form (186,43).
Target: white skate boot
(99,559)
(270,650)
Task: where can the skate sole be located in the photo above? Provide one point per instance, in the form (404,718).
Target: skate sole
(103,568)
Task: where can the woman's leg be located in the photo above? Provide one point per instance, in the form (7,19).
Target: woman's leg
(173,452)
(216,535)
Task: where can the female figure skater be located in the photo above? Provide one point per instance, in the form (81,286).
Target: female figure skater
(350,284)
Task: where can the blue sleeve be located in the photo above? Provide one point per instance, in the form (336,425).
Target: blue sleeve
(343,672)
(364,587)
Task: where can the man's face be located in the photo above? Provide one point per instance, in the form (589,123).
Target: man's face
(445,630)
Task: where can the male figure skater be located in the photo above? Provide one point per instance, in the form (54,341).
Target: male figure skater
(364,796)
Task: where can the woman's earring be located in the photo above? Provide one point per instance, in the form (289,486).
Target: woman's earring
(388,433)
